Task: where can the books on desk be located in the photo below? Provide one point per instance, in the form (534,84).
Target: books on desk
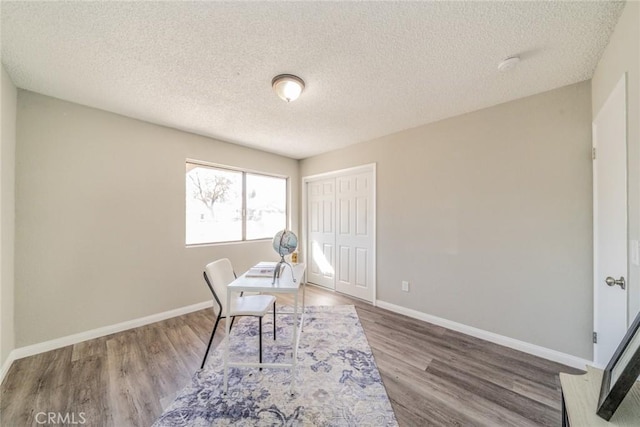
(262,269)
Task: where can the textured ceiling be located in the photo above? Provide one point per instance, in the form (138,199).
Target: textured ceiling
(371,68)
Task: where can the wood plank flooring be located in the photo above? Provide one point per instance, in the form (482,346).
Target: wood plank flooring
(433,376)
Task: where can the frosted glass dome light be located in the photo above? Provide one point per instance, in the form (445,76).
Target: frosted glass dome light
(287,86)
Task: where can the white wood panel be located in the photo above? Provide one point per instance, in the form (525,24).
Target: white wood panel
(327,216)
(344,223)
(321,232)
(362,267)
(344,264)
(342,252)
(356,194)
(315,217)
(610,223)
(362,216)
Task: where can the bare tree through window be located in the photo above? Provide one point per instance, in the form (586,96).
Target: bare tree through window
(210,189)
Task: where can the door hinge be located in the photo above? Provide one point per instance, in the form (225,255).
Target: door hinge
(593,153)
(595,338)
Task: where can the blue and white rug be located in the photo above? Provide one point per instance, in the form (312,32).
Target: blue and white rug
(337,381)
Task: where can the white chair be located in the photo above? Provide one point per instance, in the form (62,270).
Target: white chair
(218,274)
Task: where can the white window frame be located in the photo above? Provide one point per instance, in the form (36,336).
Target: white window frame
(244,172)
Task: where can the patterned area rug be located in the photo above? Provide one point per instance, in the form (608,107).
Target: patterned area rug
(337,381)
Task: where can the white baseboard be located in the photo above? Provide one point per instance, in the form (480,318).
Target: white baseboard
(6,365)
(42,347)
(536,350)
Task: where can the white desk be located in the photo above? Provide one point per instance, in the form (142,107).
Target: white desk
(284,284)
(580,394)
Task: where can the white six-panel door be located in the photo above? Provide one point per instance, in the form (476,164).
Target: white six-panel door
(321,231)
(341,231)
(354,235)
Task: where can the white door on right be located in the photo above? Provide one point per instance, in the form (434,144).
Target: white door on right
(354,235)
(610,224)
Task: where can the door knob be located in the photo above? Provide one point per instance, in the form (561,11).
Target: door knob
(612,282)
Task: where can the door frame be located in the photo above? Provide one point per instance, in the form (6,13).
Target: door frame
(334,174)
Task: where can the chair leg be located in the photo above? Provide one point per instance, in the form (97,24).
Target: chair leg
(274,321)
(260,337)
(206,353)
(233,319)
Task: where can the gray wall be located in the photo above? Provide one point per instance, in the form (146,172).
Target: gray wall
(7,214)
(100,204)
(623,55)
(488,215)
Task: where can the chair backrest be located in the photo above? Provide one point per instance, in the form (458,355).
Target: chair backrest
(218,275)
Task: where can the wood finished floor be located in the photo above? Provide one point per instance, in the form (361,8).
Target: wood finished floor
(433,376)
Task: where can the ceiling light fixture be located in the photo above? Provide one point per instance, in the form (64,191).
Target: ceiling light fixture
(508,63)
(287,86)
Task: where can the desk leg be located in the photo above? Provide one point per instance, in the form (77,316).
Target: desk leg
(227,323)
(294,343)
(304,288)
(565,416)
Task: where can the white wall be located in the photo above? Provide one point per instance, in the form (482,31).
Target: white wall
(100,205)
(489,216)
(623,55)
(7,215)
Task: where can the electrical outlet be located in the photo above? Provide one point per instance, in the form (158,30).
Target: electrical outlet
(405,286)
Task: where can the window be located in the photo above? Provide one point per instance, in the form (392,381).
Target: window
(266,203)
(226,205)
